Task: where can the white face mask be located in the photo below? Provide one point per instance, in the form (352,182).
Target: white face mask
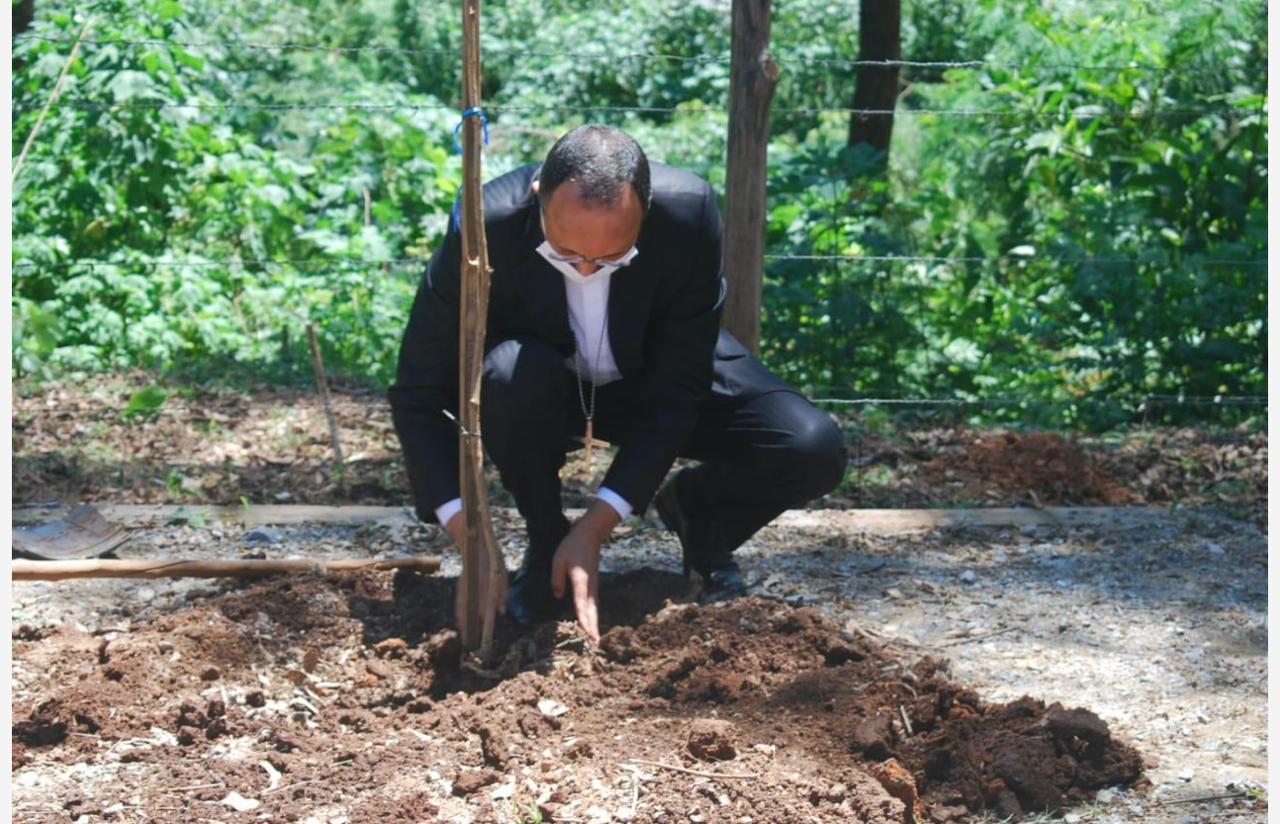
(568,270)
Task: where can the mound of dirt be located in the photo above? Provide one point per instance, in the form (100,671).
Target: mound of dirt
(318,697)
(1032,467)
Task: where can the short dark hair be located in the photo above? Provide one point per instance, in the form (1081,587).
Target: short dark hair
(601,160)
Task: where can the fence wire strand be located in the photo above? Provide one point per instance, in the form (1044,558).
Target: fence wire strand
(782,55)
(869,259)
(1082,113)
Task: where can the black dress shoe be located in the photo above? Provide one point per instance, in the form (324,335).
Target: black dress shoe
(723,584)
(721,577)
(529,598)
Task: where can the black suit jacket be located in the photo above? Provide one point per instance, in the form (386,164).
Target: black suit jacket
(664,314)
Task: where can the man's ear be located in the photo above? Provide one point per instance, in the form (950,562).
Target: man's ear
(533,187)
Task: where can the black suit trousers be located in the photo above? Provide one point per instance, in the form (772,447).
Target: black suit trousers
(762,447)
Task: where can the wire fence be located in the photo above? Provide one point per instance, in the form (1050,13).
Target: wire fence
(1154,112)
(1148,111)
(783,55)
(861,259)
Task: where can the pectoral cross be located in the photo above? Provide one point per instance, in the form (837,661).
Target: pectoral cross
(588,441)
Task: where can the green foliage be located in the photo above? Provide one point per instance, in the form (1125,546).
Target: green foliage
(146,403)
(1088,224)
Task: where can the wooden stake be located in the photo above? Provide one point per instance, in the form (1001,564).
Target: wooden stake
(57,90)
(482,564)
(99,568)
(318,362)
(753,78)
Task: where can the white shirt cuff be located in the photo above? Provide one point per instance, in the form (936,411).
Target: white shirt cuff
(614,500)
(447,510)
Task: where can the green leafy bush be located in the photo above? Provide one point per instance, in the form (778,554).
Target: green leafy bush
(198,197)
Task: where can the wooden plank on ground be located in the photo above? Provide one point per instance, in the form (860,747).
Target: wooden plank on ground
(133,568)
(884,521)
(137,515)
(895,521)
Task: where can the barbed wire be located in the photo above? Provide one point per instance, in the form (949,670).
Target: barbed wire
(1087,112)
(1139,401)
(869,259)
(200,264)
(379,400)
(781,54)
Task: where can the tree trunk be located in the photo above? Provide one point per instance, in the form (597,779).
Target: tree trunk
(23,14)
(754,76)
(879,39)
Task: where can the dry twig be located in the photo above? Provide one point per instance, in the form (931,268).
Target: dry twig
(980,636)
(700,773)
(1199,798)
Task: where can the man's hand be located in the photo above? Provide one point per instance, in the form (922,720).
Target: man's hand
(457,528)
(576,565)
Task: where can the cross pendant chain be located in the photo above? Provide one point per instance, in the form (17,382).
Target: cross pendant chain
(589,411)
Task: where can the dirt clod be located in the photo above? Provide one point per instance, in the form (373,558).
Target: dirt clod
(898,781)
(874,736)
(469,782)
(1077,723)
(712,739)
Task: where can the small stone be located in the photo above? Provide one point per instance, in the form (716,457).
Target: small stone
(211,674)
(551,708)
(239,803)
(391,648)
(1071,818)
(969,576)
(145,593)
(1187,774)
(263,535)
(1105,796)
(893,592)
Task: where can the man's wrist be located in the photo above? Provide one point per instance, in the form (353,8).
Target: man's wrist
(599,520)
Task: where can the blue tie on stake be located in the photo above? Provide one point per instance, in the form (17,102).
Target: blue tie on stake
(484,124)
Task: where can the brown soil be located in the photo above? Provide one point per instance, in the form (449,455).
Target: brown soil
(1044,466)
(349,694)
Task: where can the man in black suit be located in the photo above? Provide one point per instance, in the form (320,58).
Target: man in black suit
(604,321)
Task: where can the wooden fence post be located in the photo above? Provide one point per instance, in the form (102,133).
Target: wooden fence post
(482,564)
(753,78)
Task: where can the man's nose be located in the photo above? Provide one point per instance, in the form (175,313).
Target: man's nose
(586,268)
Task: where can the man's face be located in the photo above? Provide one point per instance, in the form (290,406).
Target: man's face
(577,229)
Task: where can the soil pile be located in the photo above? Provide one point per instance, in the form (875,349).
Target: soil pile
(1037,467)
(314,698)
